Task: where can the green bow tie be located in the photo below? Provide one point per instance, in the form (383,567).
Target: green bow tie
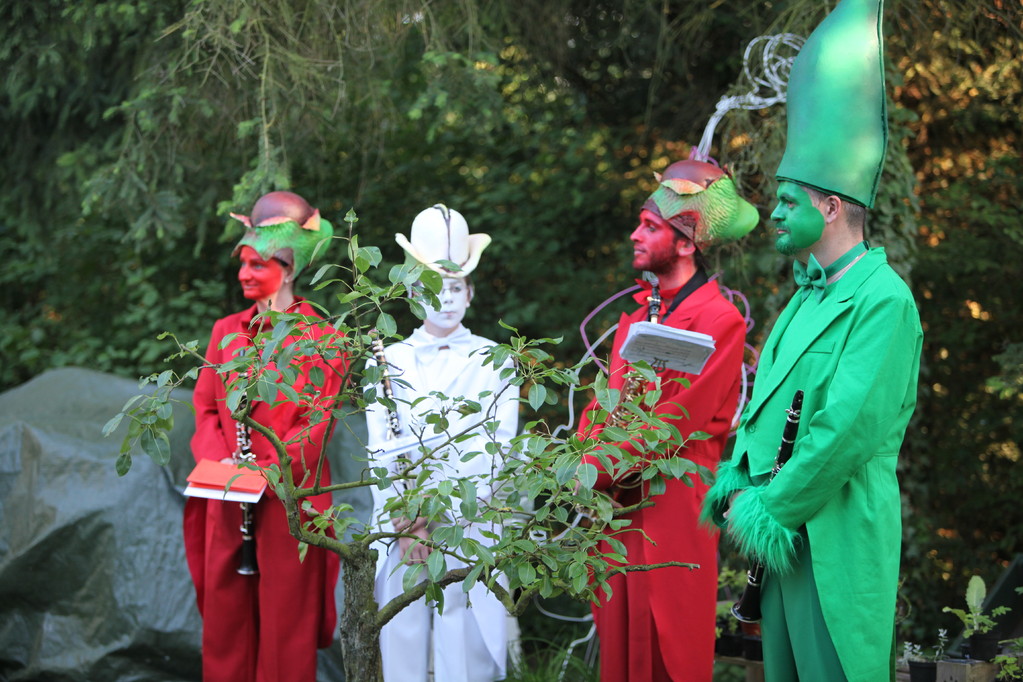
(810,277)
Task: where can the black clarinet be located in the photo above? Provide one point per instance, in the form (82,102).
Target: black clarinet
(393,425)
(247,564)
(654,303)
(747,609)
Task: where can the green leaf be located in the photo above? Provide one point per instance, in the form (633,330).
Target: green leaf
(266,391)
(616,434)
(608,398)
(165,411)
(587,475)
(290,394)
(371,254)
(436,567)
(386,325)
(234,398)
(112,425)
(157,446)
(976,591)
(527,574)
(123,463)
(411,577)
(485,555)
(471,577)
(432,280)
(579,583)
(657,486)
(226,341)
(537,395)
(322,270)
(679,466)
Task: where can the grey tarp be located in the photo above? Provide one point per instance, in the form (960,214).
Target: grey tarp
(93,581)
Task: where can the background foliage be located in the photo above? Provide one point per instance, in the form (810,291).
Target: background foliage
(134,127)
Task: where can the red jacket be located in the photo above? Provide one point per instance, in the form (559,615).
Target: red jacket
(274,621)
(673,606)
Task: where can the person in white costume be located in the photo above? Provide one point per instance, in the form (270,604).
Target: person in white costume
(469,641)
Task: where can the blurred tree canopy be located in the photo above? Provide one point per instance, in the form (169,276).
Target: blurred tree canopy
(133,128)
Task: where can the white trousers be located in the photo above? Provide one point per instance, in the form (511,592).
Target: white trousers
(453,641)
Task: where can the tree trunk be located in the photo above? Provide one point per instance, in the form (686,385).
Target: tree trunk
(360,637)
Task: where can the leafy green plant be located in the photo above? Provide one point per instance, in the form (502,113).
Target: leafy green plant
(914,652)
(551,664)
(730,581)
(1010,664)
(974,620)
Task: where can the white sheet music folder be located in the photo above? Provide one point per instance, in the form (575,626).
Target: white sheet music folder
(214,494)
(406,445)
(664,347)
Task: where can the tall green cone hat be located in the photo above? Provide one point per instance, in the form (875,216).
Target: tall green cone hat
(701,201)
(837,117)
(284,226)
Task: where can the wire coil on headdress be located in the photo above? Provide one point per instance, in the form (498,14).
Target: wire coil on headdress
(773,76)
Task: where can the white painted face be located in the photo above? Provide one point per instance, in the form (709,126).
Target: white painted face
(454,300)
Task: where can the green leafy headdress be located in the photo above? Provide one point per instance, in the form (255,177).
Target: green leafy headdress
(283,237)
(837,118)
(701,201)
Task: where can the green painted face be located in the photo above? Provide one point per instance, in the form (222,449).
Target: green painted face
(799,224)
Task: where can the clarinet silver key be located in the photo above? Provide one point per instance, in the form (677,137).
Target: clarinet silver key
(247,564)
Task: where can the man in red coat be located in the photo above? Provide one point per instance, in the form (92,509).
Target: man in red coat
(659,625)
(267,626)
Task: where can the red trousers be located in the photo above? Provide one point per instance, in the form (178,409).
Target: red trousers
(265,627)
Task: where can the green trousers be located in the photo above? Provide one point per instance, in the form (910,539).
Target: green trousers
(797,646)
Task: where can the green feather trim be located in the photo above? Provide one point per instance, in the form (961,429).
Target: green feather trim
(758,534)
(730,480)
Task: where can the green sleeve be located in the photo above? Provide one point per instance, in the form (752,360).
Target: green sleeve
(730,480)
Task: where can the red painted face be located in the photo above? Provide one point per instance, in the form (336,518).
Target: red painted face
(260,279)
(653,243)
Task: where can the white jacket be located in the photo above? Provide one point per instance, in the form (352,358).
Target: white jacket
(453,366)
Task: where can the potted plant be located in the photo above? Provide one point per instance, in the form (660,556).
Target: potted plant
(976,622)
(729,637)
(923,666)
(1010,663)
(729,640)
(752,644)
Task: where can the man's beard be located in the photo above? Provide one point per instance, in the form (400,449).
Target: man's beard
(657,262)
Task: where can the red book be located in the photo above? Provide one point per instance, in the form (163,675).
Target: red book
(210,478)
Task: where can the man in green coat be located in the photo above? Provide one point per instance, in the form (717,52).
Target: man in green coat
(828,525)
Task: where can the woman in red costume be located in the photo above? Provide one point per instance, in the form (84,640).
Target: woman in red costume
(266,626)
